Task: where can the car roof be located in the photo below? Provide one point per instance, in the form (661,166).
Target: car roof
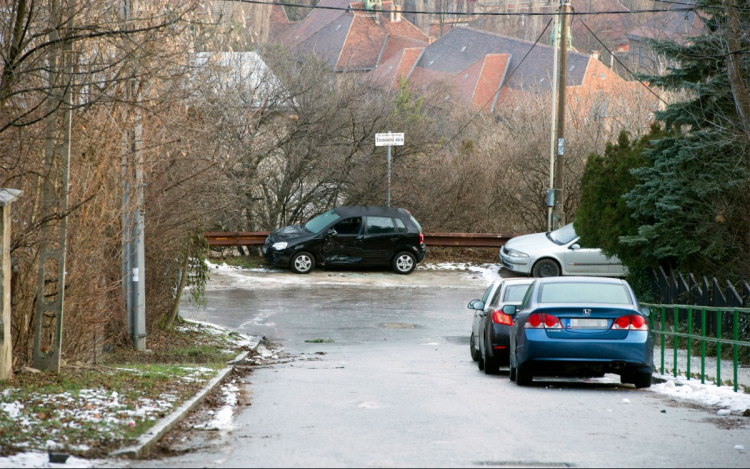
(602,280)
(360,210)
(519,281)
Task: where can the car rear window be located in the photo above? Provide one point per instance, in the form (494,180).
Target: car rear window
(380,225)
(581,292)
(515,293)
(416,223)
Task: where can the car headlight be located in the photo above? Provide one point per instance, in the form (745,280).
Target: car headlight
(280,246)
(514,253)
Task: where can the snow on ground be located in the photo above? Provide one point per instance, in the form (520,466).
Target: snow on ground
(223,418)
(234,338)
(486,272)
(727,373)
(708,395)
(35,459)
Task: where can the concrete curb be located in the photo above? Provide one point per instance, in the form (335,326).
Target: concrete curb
(145,442)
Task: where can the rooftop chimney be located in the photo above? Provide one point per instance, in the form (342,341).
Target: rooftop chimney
(595,53)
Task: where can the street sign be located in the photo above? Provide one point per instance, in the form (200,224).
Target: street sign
(389,140)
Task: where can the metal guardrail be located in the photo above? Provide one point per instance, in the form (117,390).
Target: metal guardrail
(690,336)
(461,240)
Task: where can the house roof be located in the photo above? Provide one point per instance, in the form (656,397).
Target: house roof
(396,68)
(279,22)
(463,47)
(350,40)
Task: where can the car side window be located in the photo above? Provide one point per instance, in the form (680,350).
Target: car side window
(496,296)
(380,225)
(527,296)
(350,226)
(487,294)
(400,226)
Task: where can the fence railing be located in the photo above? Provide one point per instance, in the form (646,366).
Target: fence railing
(689,327)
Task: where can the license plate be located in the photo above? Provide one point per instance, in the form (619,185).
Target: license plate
(588,324)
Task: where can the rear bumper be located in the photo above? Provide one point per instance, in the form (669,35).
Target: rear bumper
(500,343)
(539,351)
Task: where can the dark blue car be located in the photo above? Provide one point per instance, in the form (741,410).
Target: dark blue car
(580,326)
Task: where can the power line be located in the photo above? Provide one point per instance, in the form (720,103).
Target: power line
(622,64)
(497,92)
(460,13)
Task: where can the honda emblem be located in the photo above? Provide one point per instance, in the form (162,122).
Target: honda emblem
(587,312)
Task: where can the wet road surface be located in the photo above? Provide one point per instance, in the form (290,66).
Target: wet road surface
(397,387)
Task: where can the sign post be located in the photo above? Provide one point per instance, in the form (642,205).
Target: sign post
(389,140)
(7,197)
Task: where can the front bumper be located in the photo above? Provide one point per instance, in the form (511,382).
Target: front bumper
(275,257)
(521,265)
(539,351)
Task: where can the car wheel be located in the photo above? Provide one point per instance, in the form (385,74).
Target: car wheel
(472,347)
(642,380)
(404,263)
(524,376)
(302,263)
(546,268)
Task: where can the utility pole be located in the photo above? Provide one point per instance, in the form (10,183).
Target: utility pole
(558,214)
(133,248)
(553,129)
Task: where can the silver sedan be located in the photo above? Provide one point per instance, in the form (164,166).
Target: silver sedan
(557,253)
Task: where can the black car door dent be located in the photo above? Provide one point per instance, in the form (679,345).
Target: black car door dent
(343,242)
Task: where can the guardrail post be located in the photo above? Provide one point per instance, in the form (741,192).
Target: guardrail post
(735,354)
(718,347)
(690,340)
(663,317)
(676,341)
(703,346)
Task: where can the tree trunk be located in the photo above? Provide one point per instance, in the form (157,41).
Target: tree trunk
(737,81)
(178,294)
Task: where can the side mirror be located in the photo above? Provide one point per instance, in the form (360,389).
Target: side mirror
(575,247)
(646,311)
(331,232)
(510,310)
(477,305)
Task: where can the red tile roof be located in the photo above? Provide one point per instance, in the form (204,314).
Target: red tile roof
(390,72)
(351,40)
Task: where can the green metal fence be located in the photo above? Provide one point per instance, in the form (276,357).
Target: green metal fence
(694,318)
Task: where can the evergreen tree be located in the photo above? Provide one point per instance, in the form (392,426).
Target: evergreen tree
(691,201)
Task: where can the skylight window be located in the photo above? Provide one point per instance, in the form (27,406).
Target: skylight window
(466,76)
(602,76)
(571,68)
(430,62)
(541,81)
(463,49)
(338,27)
(390,68)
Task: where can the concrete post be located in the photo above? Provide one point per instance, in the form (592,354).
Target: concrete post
(7,196)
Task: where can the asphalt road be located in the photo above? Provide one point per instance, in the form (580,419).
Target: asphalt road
(397,387)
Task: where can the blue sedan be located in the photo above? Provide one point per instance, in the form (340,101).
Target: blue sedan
(580,326)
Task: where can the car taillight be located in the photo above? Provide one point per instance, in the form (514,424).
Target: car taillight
(542,321)
(498,317)
(632,322)
(421,238)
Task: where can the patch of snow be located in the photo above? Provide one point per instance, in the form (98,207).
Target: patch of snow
(708,395)
(36,459)
(223,418)
(13,409)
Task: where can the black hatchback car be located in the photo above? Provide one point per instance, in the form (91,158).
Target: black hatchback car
(368,236)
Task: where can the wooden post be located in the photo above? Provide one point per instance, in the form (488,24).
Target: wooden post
(7,196)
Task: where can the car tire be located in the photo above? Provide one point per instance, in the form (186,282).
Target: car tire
(302,263)
(546,268)
(472,347)
(524,377)
(491,366)
(404,263)
(642,380)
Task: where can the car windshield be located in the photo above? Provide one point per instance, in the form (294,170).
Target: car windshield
(563,236)
(583,292)
(317,224)
(515,293)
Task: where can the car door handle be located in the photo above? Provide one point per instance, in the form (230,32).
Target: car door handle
(360,238)
(394,239)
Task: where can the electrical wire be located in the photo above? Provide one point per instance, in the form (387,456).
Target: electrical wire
(460,13)
(622,64)
(494,95)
